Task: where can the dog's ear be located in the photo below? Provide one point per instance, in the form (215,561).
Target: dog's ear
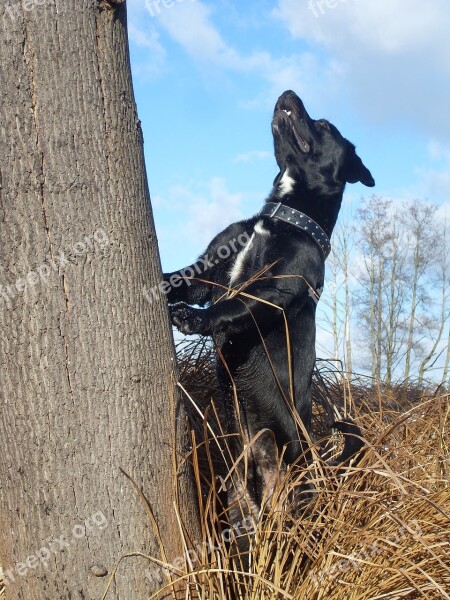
(355,170)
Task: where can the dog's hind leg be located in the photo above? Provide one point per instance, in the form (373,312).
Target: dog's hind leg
(250,489)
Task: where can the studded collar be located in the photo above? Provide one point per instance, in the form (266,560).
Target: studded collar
(279,211)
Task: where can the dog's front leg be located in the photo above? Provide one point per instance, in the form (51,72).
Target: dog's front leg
(231,316)
(196,283)
(214,319)
(190,284)
(190,320)
(255,307)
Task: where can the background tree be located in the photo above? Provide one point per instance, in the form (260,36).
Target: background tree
(419,221)
(338,298)
(374,239)
(393,312)
(436,323)
(345,264)
(86,360)
(446,370)
(333,317)
(388,294)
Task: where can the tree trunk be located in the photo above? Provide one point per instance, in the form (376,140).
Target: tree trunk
(444,253)
(426,236)
(424,365)
(393,306)
(379,312)
(345,262)
(86,361)
(446,371)
(372,321)
(335,326)
(412,318)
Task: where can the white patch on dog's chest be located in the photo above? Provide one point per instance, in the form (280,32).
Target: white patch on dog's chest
(238,266)
(286,184)
(259,228)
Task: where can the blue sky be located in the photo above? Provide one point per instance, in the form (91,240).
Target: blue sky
(207,75)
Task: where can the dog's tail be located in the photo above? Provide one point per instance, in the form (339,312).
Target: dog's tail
(353,443)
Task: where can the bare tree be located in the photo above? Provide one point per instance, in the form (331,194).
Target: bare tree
(341,294)
(86,361)
(333,317)
(419,222)
(345,241)
(446,370)
(436,326)
(400,294)
(395,293)
(374,239)
(401,246)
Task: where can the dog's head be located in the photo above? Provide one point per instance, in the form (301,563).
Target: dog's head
(313,156)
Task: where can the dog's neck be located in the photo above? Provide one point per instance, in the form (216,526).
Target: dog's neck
(323,212)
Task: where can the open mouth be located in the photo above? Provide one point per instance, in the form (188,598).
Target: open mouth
(301,142)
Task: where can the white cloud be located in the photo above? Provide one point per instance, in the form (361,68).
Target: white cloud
(188,216)
(392,59)
(147,39)
(443,214)
(191,24)
(211,212)
(438,151)
(393,28)
(394,56)
(252,156)
(434,181)
(397,27)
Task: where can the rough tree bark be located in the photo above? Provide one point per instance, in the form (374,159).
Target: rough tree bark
(85,359)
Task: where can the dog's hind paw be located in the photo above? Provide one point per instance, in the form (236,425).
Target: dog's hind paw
(189,320)
(353,442)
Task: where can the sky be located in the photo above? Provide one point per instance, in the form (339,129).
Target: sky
(207,75)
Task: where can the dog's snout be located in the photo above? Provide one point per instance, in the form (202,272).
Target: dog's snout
(289,101)
(288,95)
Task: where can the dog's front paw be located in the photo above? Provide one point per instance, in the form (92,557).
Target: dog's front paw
(189,320)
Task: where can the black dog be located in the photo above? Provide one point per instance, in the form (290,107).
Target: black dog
(260,280)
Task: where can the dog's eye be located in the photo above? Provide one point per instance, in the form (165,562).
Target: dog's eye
(324,123)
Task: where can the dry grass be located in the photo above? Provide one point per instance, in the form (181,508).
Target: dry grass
(380,531)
